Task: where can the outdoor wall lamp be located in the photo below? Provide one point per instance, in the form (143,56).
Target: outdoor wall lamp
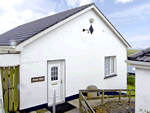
(91,27)
(86,30)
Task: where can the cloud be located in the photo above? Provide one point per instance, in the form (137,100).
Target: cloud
(17,12)
(135,11)
(122,1)
(139,38)
(101,1)
(8,4)
(84,2)
(26,14)
(139,41)
(74,3)
(51,13)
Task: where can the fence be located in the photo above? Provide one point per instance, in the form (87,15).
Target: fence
(10,80)
(89,109)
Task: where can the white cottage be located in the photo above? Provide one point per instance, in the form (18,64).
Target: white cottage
(68,51)
(141,62)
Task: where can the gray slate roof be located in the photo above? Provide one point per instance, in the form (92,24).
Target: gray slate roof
(143,55)
(28,30)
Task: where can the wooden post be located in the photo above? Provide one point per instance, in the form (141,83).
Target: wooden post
(6,90)
(102,97)
(16,89)
(2,78)
(129,96)
(119,95)
(80,99)
(11,89)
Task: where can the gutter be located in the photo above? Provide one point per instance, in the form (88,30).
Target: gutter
(138,63)
(8,48)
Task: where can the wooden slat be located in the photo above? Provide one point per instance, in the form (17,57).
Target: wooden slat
(83,106)
(102,102)
(11,89)
(80,105)
(110,96)
(106,90)
(16,89)
(120,96)
(86,102)
(130,96)
(6,90)
(2,78)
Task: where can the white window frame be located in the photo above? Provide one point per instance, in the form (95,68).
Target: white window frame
(110,65)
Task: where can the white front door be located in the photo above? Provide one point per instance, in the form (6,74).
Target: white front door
(54,82)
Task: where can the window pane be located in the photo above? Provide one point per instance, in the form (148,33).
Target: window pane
(52,78)
(54,73)
(112,64)
(107,65)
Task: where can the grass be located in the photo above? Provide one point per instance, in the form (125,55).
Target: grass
(132,92)
(131,51)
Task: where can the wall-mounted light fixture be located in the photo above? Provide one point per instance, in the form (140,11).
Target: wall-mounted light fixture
(86,30)
(91,27)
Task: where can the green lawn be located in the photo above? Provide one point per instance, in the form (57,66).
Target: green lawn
(131,51)
(132,92)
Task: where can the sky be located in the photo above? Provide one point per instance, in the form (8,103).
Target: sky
(130,17)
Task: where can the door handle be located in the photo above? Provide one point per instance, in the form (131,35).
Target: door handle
(61,81)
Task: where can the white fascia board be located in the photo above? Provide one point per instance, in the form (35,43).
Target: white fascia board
(7,47)
(111,27)
(137,64)
(51,28)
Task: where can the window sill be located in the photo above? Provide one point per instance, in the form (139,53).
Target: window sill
(109,76)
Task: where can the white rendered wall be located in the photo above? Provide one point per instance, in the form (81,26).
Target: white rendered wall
(9,59)
(84,54)
(32,94)
(142,90)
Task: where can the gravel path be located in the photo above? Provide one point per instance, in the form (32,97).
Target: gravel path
(114,106)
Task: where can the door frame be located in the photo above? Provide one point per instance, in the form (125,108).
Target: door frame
(63,61)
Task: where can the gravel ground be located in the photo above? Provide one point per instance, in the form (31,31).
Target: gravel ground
(116,107)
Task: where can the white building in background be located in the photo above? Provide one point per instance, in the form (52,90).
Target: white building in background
(141,62)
